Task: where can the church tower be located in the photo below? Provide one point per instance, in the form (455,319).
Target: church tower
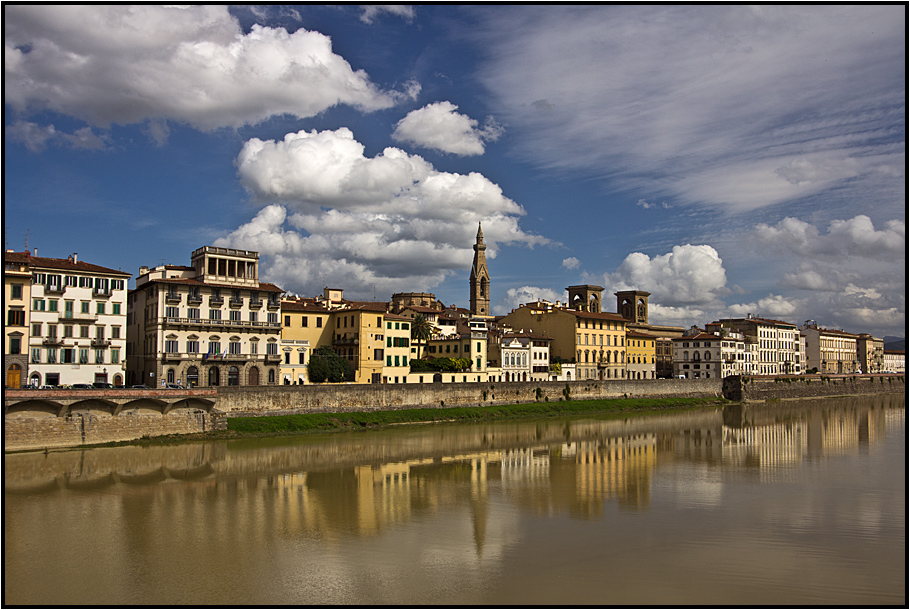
(480,278)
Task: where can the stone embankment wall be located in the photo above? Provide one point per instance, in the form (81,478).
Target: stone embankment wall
(751,389)
(92,427)
(247,401)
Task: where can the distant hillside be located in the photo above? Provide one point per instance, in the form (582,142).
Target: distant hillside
(895,343)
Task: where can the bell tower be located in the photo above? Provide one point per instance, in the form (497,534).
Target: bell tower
(480,278)
(633,305)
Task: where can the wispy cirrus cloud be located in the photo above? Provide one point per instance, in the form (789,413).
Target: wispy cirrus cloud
(734,107)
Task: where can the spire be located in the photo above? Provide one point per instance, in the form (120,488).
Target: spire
(480,278)
(479,234)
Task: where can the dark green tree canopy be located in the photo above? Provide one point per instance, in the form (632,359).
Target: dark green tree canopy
(327,366)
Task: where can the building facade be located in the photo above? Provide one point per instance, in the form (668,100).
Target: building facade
(777,343)
(709,355)
(76,321)
(830,351)
(210,324)
(306,324)
(17,282)
(641,353)
(894,361)
(870,353)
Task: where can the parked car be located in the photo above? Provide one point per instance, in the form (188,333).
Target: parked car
(140,387)
(48,387)
(173,386)
(82,386)
(102,386)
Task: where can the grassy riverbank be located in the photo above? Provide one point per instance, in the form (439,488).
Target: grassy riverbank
(322,422)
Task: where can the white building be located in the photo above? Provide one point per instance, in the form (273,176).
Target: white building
(77,322)
(710,355)
(212,323)
(778,344)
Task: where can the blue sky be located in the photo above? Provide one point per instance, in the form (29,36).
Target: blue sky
(727,159)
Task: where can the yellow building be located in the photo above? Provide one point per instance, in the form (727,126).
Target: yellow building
(830,351)
(397,349)
(358,336)
(305,325)
(641,355)
(595,341)
(16,298)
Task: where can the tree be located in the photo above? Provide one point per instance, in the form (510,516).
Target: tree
(421,329)
(327,366)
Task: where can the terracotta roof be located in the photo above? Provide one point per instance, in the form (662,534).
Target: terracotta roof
(513,335)
(602,315)
(366,306)
(396,317)
(303,306)
(702,337)
(61,264)
(639,335)
(422,309)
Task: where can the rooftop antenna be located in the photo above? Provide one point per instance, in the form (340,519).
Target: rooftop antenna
(26,239)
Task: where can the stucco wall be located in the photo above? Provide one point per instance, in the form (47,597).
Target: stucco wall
(236,401)
(746,389)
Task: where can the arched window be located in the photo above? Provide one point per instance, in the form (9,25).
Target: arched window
(271,375)
(192,377)
(707,355)
(214,376)
(696,356)
(170,375)
(233,376)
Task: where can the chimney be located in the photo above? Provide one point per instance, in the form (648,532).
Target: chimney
(75,257)
(35,253)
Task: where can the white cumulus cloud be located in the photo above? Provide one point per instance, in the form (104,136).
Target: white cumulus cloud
(771,306)
(687,275)
(128,64)
(372,11)
(392,221)
(528,294)
(438,126)
(571,263)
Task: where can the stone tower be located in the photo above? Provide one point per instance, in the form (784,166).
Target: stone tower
(633,305)
(480,278)
(585,297)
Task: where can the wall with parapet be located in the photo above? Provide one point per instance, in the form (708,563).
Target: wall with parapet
(21,432)
(751,389)
(248,401)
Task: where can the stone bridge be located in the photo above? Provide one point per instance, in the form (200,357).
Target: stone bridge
(36,419)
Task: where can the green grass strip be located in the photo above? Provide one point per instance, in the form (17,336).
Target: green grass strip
(313,422)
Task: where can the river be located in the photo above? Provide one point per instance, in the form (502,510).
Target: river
(794,503)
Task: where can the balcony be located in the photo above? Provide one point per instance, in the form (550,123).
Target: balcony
(101,293)
(273,357)
(54,289)
(194,299)
(204,322)
(345,341)
(255,303)
(52,341)
(216,301)
(236,302)
(173,298)
(99,342)
(273,304)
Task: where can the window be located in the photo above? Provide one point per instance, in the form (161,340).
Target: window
(254,316)
(67,356)
(36,355)
(271,348)
(192,347)
(172,312)
(303,321)
(52,355)
(193,313)
(115,332)
(300,357)
(214,314)
(83,332)
(15,317)
(83,307)
(67,331)
(83,356)
(37,304)
(318,322)
(52,305)
(235,316)
(214,348)
(254,347)
(170,346)
(36,330)
(99,308)
(233,376)
(15,345)
(287,357)
(15,292)
(273,318)
(287,320)
(388,361)
(234,347)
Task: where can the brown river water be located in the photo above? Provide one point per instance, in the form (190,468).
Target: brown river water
(792,503)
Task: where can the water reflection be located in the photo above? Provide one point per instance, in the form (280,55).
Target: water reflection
(133,506)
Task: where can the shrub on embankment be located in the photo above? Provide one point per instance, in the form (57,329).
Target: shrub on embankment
(309,422)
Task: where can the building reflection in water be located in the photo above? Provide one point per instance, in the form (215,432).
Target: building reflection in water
(335,485)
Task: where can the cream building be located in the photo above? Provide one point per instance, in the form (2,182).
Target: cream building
(17,282)
(212,323)
(830,351)
(870,353)
(520,356)
(710,355)
(777,342)
(76,321)
(894,361)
